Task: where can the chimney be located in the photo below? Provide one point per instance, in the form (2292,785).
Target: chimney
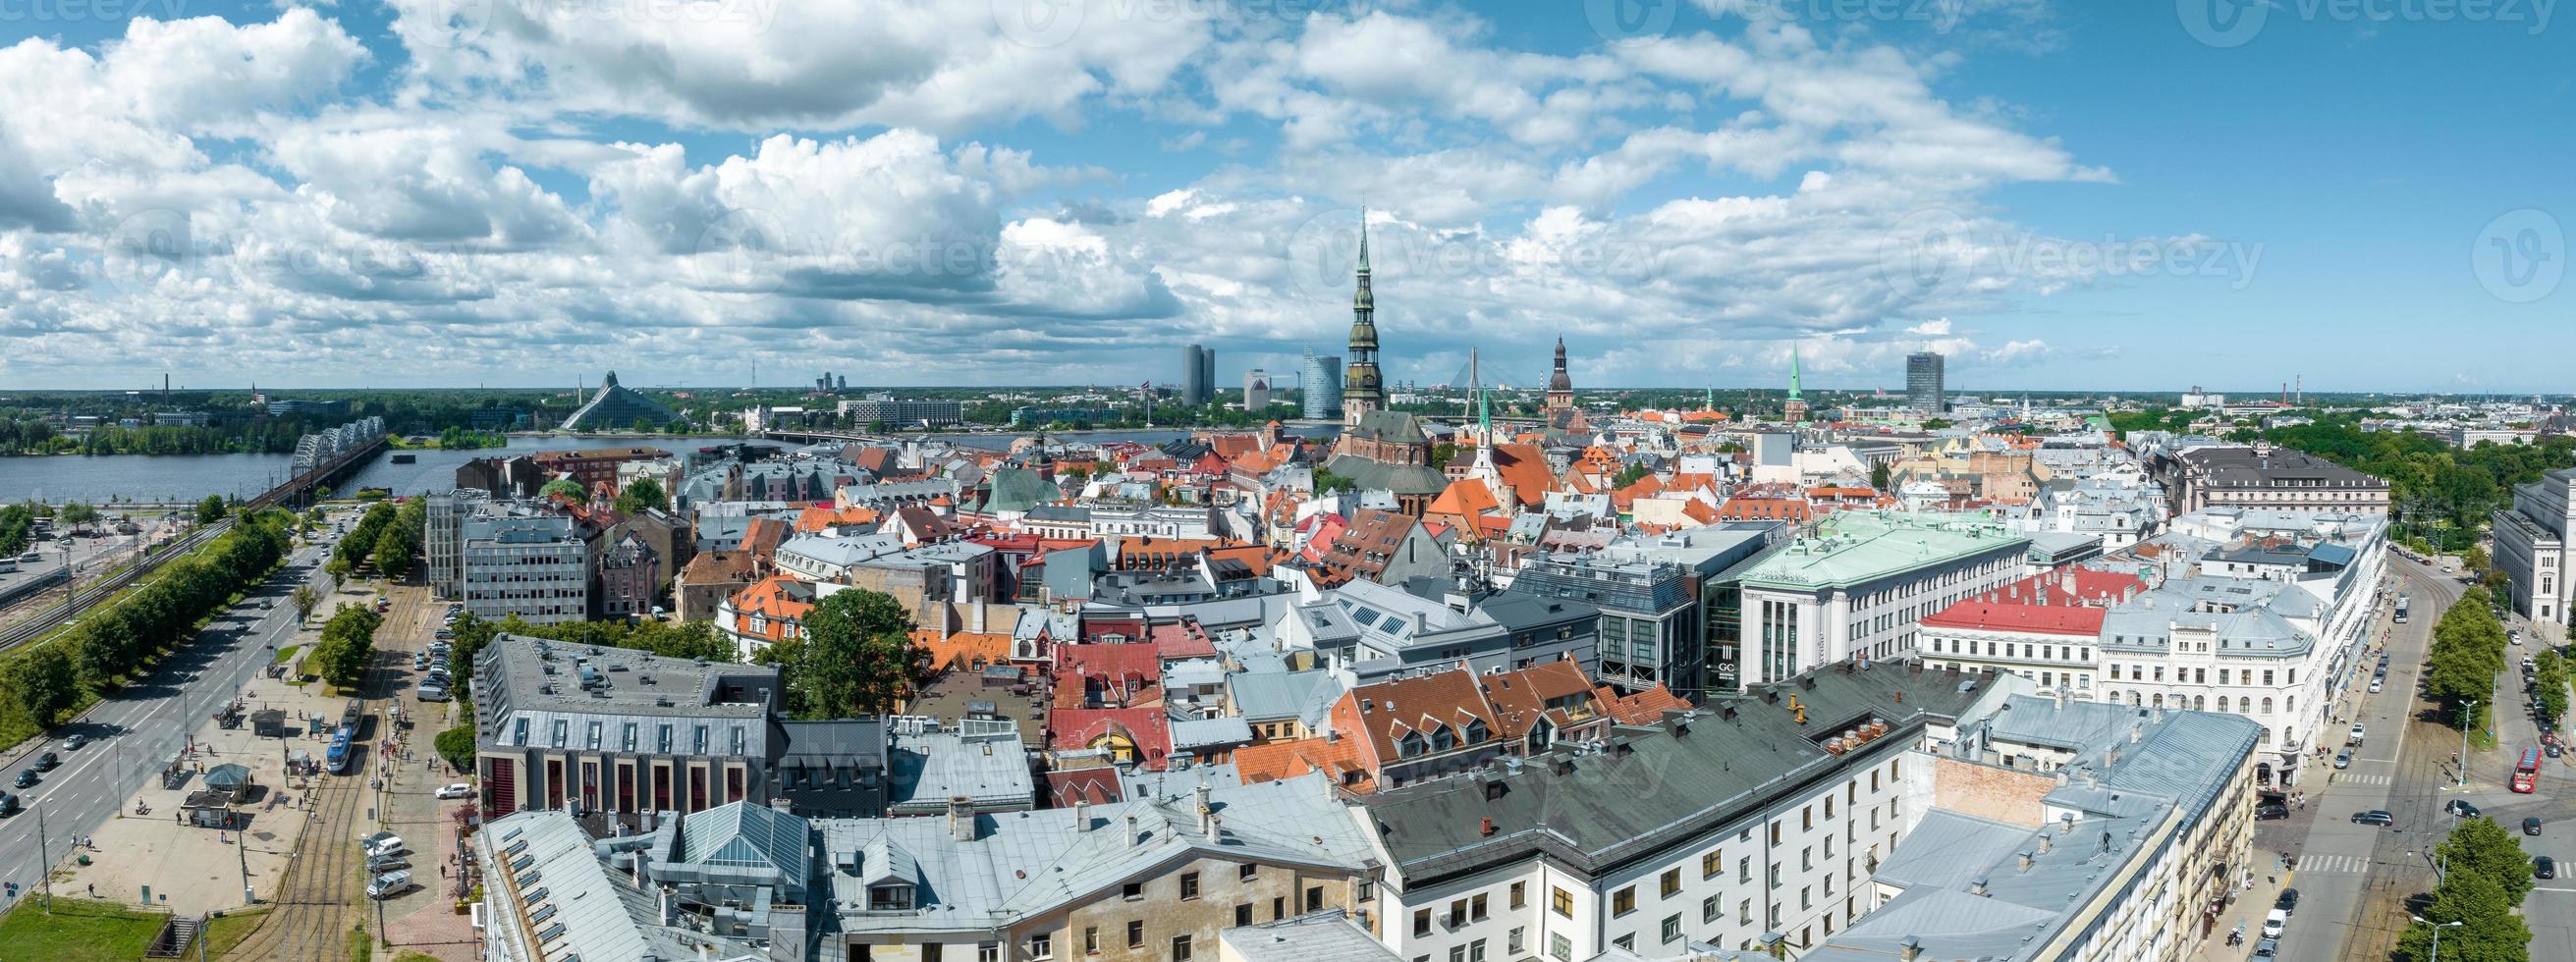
(1207,813)
(2136,731)
(1082,814)
(1977,887)
(1135,836)
(2043,845)
(668,898)
(2066,824)
(2061,697)
(2024,861)
(1209,825)
(961,818)
(1910,949)
(1486,830)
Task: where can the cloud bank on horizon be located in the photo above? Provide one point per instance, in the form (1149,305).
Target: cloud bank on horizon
(947,192)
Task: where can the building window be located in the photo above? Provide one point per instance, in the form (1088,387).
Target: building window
(1243,914)
(1520,895)
(1513,945)
(1476,908)
(988,952)
(1091,940)
(1560,947)
(1132,891)
(1246,872)
(1712,863)
(1421,923)
(1671,883)
(1623,901)
(1180,948)
(1708,909)
(1672,928)
(1561,901)
(1136,935)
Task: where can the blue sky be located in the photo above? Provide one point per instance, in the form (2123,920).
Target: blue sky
(2057,195)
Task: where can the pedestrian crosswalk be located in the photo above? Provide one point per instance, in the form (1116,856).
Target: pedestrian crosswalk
(2357,778)
(2334,864)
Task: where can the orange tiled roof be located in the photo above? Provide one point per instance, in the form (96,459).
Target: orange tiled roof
(1643,708)
(1336,758)
(818,518)
(965,649)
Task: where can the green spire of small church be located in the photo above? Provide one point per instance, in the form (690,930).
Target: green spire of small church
(1793,370)
(1364,268)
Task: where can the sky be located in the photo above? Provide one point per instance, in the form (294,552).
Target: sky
(2366,195)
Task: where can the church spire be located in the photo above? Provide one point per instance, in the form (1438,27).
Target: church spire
(1363,390)
(1793,370)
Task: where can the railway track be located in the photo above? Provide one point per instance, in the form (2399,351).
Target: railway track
(321,895)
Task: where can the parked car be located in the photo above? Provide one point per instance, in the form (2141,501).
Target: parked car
(2375,684)
(2531,826)
(2267,949)
(457,790)
(2274,923)
(2343,759)
(2288,902)
(2376,816)
(2357,733)
(432,693)
(2461,808)
(2270,811)
(386,863)
(382,843)
(389,884)
(2544,867)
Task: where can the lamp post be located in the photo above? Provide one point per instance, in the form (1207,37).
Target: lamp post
(2437,935)
(2468,711)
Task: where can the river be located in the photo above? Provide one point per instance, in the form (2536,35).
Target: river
(191,477)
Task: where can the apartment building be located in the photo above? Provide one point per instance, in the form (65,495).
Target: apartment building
(2263,476)
(2531,546)
(442,544)
(1763,814)
(2043,628)
(535,566)
(1856,583)
(1651,630)
(620,731)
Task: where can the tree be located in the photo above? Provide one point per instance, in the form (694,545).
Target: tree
(1326,482)
(338,568)
(1935,424)
(39,684)
(210,510)
(2549,674)
(563,487)
(2468,651)
(859,655)
(456,745)
(642,494)
(2489,931)
(75,514)
(1630,475)
(788,656)
(348,643)
(1878,476)
(2480,846)
(305,600)
(394,551)
(17,528)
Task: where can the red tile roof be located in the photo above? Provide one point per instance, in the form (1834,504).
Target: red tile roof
(2069,602)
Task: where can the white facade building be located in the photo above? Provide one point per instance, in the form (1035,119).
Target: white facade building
(532,566)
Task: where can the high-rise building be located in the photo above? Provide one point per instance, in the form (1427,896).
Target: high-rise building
(1362,390)
(1198,375)
(1923,390)
(1256,390)
(1322,385)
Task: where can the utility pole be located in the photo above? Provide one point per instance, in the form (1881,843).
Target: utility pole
(241,851)
(45,852)
(2468,711)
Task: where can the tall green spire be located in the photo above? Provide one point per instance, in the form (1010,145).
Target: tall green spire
(1364,268)
(1484,413)
(1793,370)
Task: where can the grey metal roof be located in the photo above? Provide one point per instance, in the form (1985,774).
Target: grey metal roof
(1321,937)
(741,833)
(989,769)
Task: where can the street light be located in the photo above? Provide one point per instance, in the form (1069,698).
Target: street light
(2437,935)
(2468,711)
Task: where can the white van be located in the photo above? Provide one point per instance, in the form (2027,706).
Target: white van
(389,883)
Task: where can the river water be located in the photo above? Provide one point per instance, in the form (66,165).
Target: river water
(191,477)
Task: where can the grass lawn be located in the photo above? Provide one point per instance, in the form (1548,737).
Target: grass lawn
(411,956)
(362,946)
(79,930)
(224,933)
(284,653)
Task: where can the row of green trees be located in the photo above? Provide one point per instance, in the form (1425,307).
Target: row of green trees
(118,637)
(2549,674)
(2441,493)
(2485,874)
(380,536)
(2468,651)
(348,642)
(17,528)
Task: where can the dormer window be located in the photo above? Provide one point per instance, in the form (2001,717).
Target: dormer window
(1442,739)
(1409,746)
(890,898)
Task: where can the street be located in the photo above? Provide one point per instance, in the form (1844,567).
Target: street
(138,729)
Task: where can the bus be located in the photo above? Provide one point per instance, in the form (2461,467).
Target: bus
(344,750)
(2401,609)
(2526,773)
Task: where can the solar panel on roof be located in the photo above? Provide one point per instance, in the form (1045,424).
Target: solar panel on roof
(532,897)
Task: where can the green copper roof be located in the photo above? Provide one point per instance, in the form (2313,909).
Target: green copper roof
(1854,547)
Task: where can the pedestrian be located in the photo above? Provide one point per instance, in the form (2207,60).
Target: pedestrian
(93,890)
